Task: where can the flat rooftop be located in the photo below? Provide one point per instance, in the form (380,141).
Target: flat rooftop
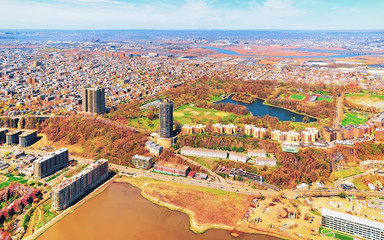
(172,165)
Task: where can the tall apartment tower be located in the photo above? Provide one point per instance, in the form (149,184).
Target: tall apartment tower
(166,118)
(94,100)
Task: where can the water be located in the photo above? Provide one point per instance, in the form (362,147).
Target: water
(345,54)
(257,108)
(120,212)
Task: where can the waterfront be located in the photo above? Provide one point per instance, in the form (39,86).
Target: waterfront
(258,108)
(120,212)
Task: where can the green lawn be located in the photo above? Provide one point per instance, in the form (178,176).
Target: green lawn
(354,94)
(377,96)
(206,162)
(13,179)
(144,122)
(344,173)
(335,234)
(298,96)
(191,115)
(353,119)
(324,99)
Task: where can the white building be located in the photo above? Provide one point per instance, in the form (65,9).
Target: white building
(205,153)
(257,153)
(356,226)
(238,157)
(269,162)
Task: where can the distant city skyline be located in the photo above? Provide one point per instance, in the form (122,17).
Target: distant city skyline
(192,14)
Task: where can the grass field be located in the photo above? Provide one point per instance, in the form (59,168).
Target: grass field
(12,179)
(144,122)
(335,234)
(325,99)
(345,173)
(190,115)
(353,119)
(298,96)
(206,162)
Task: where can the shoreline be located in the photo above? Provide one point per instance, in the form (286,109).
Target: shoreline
(197,228)
(194,226)
(268,104)
(71,209)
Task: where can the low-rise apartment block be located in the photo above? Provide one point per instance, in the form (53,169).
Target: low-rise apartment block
(190,129)
(142,162)
(238,157)
(72,189)
(153,148)
(255,131)
(263,161)
(171,168)
(261,153)
(51,163)
(227,129)
(372,165)
(205,153)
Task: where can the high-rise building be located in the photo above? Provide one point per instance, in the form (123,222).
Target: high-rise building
(50,163)
(72,189)
(94,100)
(166,118)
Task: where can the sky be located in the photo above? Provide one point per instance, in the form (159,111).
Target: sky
(193,14)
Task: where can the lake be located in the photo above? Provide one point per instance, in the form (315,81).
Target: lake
(257,108)
(120,212)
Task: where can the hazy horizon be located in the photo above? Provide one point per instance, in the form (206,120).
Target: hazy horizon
(347,15)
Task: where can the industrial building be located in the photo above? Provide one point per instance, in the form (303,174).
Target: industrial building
(166,118)
(72,189)
(93,100)
(142,162)
(50,163)
(27,138)
(356,226)
(12,138)
(171,168)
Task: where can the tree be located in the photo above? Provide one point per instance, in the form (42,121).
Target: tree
(306,119)
(293,119)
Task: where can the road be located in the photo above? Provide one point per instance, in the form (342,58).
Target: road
(133,172)
(339,109)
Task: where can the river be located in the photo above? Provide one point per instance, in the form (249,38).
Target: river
(258,108)
(120,212)
(343,54)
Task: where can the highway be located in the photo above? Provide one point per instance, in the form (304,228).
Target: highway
(220,185)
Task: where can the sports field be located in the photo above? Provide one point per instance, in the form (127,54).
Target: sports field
(368,100)
(298,96)
(334,234)
(325,99)
(353,119)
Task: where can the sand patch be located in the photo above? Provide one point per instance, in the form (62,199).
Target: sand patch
(222,114)
(367,101)
(178,114)
(207,113)
(195,113)
(188,110)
